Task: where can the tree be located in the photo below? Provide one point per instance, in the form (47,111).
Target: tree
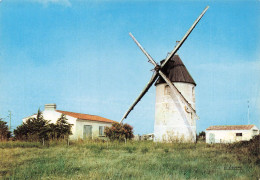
(52,131)
(202,135)
(37,129)
(34,129)
(21,132)
(63,128)
(119,131)
(128,131)
(5,134)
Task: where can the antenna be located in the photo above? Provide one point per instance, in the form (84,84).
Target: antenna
(10,116)
(248,120)
(177,42)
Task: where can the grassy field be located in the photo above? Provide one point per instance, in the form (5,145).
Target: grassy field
(133,160)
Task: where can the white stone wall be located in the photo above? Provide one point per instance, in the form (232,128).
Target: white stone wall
(173,121)
(229,136)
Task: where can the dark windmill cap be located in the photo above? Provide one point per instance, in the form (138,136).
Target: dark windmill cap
(176,71)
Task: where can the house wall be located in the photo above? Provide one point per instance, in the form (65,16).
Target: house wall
(229,136)
(172,121)
(78,134)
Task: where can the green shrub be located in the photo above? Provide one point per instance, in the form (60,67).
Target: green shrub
(5,134)
(254,146)
(119,132)
(34,129)
(144,150)
(37,129)
(249,148)
(96,148)
(166,150)
(21,144)
(130,149)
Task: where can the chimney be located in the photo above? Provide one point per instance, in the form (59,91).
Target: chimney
(50,107)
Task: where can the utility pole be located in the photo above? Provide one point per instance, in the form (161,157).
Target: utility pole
(248,121)
(10,119)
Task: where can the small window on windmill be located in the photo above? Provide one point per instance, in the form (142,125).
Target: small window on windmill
(238,134)
(167,90)
(193,94)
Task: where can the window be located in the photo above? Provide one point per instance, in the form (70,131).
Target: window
(238,134)
(193,94)
(167,90)
(255,132)
(101,130)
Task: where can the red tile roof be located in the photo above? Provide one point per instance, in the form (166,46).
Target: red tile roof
(86,116)
(231,127)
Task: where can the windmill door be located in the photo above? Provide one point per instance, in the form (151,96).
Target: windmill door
(87,132)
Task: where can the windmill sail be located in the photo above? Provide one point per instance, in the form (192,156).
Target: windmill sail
(147,87)
(184,37)
(158,68)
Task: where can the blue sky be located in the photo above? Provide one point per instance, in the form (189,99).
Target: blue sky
(78,54)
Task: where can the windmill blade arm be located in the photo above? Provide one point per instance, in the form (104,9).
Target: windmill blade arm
(143,50)
(176,91)
(149,84)
(184,37)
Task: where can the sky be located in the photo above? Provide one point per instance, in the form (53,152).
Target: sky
(79,55)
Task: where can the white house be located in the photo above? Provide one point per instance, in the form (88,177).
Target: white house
(83,125)
(230,134)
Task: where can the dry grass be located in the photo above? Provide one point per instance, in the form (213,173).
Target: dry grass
(134,160)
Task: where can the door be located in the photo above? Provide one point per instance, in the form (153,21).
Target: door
(211,138)
(87,132)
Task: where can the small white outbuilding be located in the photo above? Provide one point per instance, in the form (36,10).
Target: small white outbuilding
(230,133)
(84,126)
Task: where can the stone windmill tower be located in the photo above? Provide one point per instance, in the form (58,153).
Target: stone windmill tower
(175,115)
(173,119)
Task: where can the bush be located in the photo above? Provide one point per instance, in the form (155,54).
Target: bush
(254,146)
(37,129)
(62,129)
(34,129)
(119,131)
(201,136)
(249,148)
(144,150)
(5,134)
(166,150)
(130,149)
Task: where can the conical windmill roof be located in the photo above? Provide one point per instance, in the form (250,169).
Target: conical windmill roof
(176,71)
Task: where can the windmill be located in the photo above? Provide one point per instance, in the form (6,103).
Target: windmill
(175,114)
